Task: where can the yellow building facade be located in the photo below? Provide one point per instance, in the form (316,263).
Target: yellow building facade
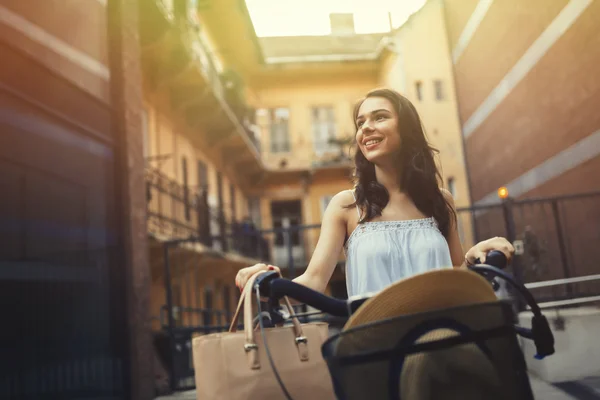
(297,83)
(196,193)
(306,171)
(279,161)
(424,74)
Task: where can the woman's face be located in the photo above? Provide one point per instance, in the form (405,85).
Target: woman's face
(377,129)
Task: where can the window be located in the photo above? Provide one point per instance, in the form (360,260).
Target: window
(419,90)
(254,210)
(452,187)
(279,236)
(324,203)
(286,214)
(439,89)
(323,127)
(279,130)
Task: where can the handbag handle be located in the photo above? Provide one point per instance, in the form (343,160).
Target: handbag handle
(250,346)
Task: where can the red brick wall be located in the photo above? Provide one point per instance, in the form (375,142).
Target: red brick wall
(80,25)
(553,107)
(35,81)
(583,178)
(58,181)
(505,33)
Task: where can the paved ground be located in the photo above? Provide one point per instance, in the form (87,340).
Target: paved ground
(546,391)
(585,389)
(541,390)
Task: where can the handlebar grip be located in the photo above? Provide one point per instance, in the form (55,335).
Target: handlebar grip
(303,294)
(272,286)
(495,258)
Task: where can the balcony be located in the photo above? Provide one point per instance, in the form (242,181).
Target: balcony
(181,72)
(176,212)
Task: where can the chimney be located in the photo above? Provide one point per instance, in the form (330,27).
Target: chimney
(342,23)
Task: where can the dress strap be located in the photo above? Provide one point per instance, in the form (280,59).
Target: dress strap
(357,209)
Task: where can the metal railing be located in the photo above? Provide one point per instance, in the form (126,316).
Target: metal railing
(568,281)
(180,213)
(556,238)
(176,211)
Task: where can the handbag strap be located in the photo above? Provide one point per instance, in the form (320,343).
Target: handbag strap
(238,310)
(236,315)
(250,345)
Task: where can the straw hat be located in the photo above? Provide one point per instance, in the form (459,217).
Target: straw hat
(424,292)
(460,372)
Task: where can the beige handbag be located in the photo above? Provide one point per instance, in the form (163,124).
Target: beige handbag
(234,365)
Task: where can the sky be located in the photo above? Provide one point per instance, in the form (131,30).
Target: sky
(311,17)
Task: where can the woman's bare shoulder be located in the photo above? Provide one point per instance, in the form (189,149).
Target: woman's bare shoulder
(340,202)
(343,199)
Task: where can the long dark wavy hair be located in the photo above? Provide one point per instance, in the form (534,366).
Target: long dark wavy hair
(418,174)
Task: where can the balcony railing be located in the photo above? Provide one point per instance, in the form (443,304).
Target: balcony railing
(176,211)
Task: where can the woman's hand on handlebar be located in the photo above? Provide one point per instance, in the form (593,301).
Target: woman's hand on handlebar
(481,249)
(245,273)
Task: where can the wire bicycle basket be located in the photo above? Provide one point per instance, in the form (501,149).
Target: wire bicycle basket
(466,352)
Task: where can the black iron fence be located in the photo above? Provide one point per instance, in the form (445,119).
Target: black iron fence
(555,238)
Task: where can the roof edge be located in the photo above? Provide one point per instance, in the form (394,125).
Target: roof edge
(246,14)
(385,44)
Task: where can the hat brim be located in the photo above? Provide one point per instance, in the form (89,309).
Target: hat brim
(424,292)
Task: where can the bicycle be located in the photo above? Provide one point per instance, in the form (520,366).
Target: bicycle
(358,364)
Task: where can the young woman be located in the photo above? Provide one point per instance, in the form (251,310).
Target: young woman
(397,222)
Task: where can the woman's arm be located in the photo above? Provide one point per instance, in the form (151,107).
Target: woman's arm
(327,251)
(456,250)
(480,250)
(330,243)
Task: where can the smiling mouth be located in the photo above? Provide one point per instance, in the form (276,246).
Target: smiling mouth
(372,143)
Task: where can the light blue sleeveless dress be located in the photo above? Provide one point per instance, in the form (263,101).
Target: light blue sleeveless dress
(383,252)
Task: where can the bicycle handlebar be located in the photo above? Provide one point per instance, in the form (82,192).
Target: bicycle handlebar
(284,287)
(275,288)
